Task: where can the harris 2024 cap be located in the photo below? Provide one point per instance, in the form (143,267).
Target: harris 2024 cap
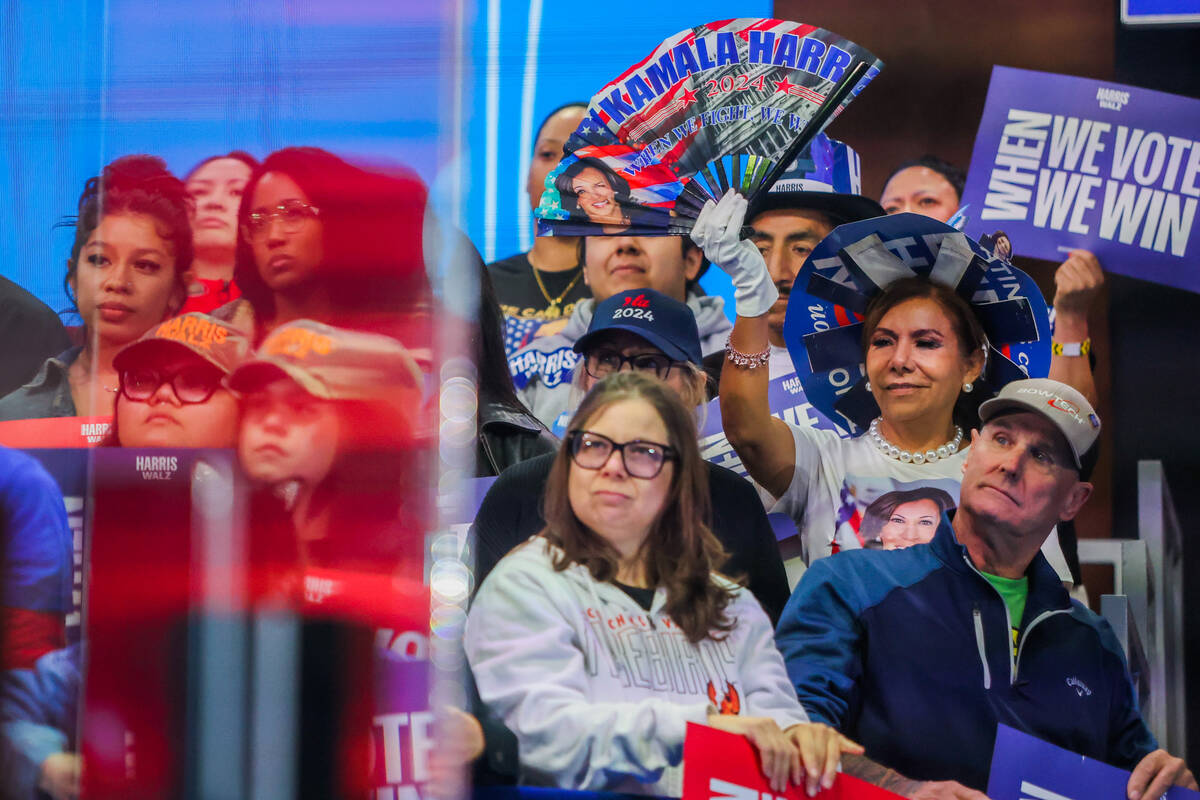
(662,321)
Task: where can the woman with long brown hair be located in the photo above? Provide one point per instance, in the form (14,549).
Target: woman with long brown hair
(627,563)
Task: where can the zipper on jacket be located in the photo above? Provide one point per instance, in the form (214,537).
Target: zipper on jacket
(1025,635)
(1008,648)
(987,673)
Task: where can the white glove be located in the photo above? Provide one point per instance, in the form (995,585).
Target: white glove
(717,232)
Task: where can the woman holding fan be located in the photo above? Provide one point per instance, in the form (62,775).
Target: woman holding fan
(924,351)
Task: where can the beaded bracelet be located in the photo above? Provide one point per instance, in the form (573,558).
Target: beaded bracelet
(746,360)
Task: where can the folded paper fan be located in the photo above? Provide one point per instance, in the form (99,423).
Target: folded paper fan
(823,326)
(724,105)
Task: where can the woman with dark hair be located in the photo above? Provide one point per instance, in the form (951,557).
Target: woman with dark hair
(546,282)
(627,563)
(902,518)
(926,185)
(216,185)
(323,239)
(591,187)
(126,273)
(924,352)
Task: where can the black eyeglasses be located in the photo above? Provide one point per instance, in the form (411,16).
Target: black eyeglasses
(291,214)
(191,384)
(602,363)
(641,459)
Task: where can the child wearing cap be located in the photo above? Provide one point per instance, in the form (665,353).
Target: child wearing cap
(332,424)
(171,385)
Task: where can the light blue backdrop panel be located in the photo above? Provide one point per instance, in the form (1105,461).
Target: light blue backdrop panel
(453,90)
(84,82)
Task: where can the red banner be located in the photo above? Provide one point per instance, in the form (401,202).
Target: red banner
(724,766)
(54,432)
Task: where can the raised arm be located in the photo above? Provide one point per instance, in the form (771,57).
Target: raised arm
(763,442)
(1077,282)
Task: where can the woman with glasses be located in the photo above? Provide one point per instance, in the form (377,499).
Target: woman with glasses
(322,239)
(647,332)
(126,273)
(172,392)
(627,565)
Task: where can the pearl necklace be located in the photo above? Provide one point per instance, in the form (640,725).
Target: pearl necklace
(904,457)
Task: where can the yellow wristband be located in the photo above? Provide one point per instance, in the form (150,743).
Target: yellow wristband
(1071,348)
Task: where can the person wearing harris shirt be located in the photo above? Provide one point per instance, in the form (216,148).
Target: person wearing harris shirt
(547,281)
(660,339)
(818,192)
(982,632)
(542,370)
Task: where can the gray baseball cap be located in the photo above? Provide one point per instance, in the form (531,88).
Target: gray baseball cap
(1066,408)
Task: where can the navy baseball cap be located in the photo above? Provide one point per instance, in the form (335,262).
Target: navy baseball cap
(662,321)
(825,177)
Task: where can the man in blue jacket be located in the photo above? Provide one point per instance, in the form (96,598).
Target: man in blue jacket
(917,654)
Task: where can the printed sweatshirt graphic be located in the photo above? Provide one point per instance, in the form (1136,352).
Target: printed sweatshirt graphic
(598,691)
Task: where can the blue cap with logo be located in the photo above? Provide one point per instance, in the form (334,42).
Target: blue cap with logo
(662,321)
(825,177)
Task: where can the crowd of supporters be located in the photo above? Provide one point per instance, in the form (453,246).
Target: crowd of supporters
(625,586)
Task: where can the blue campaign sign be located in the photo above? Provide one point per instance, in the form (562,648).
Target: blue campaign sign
(1063,163)
(785,397)
(1160,12)
(1026,768)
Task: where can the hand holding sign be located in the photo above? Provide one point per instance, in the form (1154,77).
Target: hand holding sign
(1063,162)
(1161,771)
(821,749)
(778,756)
(1024,766)
(722,766)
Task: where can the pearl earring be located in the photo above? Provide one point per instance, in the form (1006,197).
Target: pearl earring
(968,386)
(868,385)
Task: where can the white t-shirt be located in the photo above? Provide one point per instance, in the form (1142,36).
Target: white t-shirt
(836,479)
(780,363)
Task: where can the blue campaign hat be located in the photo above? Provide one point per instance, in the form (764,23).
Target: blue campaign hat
(825,177)
(857,261)
(662,321)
